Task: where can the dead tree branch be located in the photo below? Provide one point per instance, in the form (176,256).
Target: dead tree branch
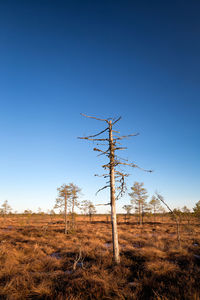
(175,217)
(94,118)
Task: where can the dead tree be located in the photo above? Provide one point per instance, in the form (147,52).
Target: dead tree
(115,176)
(160,198)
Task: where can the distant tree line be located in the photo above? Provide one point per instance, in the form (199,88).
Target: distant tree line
(141,207)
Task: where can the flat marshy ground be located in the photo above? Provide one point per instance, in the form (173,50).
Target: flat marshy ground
(38,261)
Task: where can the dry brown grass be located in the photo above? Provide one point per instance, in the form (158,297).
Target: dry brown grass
(37,260)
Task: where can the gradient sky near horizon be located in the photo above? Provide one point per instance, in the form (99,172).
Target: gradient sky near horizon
(135,59)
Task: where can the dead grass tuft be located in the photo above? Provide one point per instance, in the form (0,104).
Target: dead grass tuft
(161,267)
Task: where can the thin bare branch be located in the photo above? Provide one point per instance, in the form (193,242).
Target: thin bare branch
(108,182)
(103,175)
(126,136)
(121,148)
(162,200)
(107,166)
(118,173)
(118,158)
(122,187)
(105,120)
(90,139)
(102,152)
(133,166)
(116,121)
(77,259)
(102,204)
(115,142)
(90,136)
(105,187)
(106,153)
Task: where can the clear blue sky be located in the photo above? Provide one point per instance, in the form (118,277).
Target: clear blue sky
(135,59)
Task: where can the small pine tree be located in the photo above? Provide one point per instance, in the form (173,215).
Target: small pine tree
(5,208)
(138,197)
(186,214)
(155,206)
(196,210)
(64,192)
(74,194)
(128,209)
(88,208)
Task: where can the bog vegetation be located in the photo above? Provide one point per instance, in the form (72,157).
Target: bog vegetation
(150,252)
(39,261)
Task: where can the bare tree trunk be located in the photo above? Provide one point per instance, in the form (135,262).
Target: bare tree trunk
(65,214)
(175,217)
(112,197)
(140,219)
(142,214)
(72,213)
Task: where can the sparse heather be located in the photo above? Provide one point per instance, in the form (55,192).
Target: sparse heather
(38,261)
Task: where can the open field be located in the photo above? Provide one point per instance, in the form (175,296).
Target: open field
(37,260)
